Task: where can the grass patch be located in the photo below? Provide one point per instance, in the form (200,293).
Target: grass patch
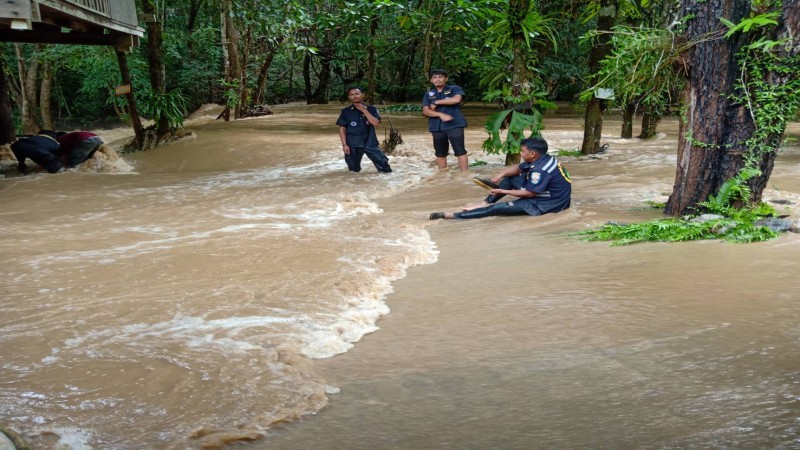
(403,108)
(562,152)
(726,222)
(477,163)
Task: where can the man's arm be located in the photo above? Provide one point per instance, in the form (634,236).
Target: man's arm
(449,101)
(374,121)
(343,138)
(510,172)
(429,111)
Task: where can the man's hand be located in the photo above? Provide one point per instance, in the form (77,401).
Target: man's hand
(445,117)
(361,107)
(346,149)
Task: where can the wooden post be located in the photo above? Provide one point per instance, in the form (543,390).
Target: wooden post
(133,112)
(7,133)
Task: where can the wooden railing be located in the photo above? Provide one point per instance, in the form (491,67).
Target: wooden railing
(98,6)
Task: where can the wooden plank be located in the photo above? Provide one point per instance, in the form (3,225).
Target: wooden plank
(62,8)
(49,37)
(15,9)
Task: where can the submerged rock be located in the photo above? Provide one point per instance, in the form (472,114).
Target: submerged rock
(777,224)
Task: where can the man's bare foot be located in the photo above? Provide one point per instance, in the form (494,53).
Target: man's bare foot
(475,206)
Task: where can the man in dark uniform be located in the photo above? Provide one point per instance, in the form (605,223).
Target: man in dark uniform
(540,181)
(78,146)
(442,106)
(43,149)
(357,125)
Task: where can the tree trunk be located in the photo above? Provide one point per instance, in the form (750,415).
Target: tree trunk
(133,112)
(44,97)
(517,10)
(307,76)
(650,123)
(232,43)
(593,122)
(7,132)
(326,52)
(28,73)
(194,10)
(401,94)
(628,114)
(155,59)
(244,91)
(712,138)
(263,76)
(372,83)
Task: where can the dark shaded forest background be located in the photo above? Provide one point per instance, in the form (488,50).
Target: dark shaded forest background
(248,53)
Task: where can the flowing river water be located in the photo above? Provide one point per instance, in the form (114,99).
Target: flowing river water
(229,289)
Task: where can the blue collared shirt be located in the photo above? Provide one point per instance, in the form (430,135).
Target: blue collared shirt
(359,133)
(435,123)
(548,179)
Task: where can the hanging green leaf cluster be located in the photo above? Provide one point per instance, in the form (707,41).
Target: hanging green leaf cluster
(644,68)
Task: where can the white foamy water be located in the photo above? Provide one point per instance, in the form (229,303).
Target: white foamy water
(189,298)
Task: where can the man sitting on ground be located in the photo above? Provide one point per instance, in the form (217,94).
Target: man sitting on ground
(540,181)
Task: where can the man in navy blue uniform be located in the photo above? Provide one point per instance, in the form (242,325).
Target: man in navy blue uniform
(357,125)
(442,106)
(43,149)
(540,181)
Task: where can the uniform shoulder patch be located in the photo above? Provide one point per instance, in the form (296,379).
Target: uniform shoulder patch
(535,177)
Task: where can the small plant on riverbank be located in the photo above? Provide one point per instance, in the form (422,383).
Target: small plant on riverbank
(574,153)
(723,220)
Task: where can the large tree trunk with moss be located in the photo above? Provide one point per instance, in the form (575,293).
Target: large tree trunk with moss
(593,121)
(711,146)
(7,132)
(155,60)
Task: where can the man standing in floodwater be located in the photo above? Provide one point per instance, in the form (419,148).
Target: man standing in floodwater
(357,125)
(442,106)
(542,184)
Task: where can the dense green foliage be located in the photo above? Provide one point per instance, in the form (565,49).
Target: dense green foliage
(298,44)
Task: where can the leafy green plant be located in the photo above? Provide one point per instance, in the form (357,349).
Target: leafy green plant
(574,153)
(231,93)
(735,224)
(171,105)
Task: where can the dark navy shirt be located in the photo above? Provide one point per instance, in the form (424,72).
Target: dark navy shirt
(360,133)
(548,179)
(435,123)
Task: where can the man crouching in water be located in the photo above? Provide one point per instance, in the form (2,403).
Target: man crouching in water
(540,181)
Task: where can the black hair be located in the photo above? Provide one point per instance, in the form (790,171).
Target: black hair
(535,143)
(437,72)
(350,88)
